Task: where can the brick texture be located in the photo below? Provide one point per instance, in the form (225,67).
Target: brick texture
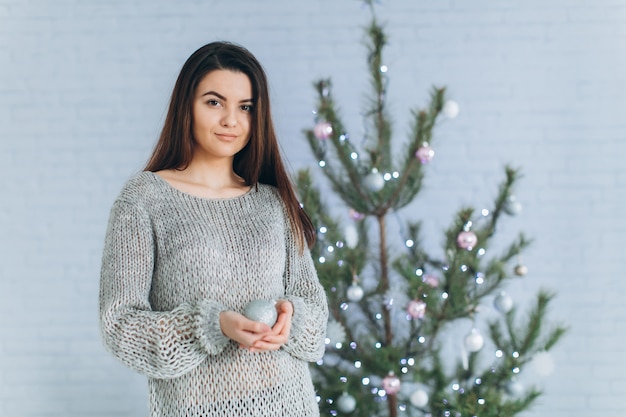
(84,87)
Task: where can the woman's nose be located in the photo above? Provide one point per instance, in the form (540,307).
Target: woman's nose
(229,118)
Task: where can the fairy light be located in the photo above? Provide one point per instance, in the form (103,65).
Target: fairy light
(323,229)
(365,381)
(409,243)
(357,364)
(499,353)
(322,163)
(484,212)
(354,155)
(419,272)
(395,174)
(387,176)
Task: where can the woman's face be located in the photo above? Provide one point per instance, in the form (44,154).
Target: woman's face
(222,114)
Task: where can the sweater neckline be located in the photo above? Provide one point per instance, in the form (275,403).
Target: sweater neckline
(167,185)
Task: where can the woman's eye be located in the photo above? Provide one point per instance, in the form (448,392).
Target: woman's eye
(247,107)
(213,103)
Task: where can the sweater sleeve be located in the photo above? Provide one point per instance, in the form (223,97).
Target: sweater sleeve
(158,344)
(310,316)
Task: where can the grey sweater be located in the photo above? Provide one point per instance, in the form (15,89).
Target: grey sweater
(172,262)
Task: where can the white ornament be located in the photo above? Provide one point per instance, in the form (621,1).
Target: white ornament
(262,310)
(520,270)
(354,293)
(351,236)
(374,181)
(346,403)
(512,206)
(474,341)
(450,109)
(503,303)
(419,398)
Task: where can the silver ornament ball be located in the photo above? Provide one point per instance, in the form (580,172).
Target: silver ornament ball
(374,181)
(355,293)
(263,311)
(503,303)
(419,398)
(520,270)
(346,403)
(474,341)
(512,206)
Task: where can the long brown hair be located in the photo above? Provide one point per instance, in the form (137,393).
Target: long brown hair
(260,160)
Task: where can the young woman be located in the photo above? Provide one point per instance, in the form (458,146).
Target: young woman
(210,225)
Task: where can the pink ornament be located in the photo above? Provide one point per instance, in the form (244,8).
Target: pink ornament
(355,215)
(466,240)
(391,384)
(425,154)
(323,130)
(416,309)
(430,280)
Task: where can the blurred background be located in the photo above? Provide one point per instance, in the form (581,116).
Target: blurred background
(84,87)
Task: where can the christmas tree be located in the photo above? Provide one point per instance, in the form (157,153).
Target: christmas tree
(393,306)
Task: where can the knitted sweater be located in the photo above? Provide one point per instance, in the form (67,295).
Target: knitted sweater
(172,262)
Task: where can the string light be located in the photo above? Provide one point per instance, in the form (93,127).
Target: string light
(322,163)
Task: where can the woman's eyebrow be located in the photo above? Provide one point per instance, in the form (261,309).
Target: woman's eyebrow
(221,97)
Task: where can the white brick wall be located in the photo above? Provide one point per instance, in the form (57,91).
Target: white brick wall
(83,90)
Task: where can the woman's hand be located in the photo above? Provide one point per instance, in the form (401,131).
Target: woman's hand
(279,334)
(241,329)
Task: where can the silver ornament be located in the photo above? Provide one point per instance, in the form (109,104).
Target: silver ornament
(374,181)
(346,403)
(419,398)
(474,341)
(354,293)
(520,270)
(450,109)
(512,206)
(263,311)
(503,303)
